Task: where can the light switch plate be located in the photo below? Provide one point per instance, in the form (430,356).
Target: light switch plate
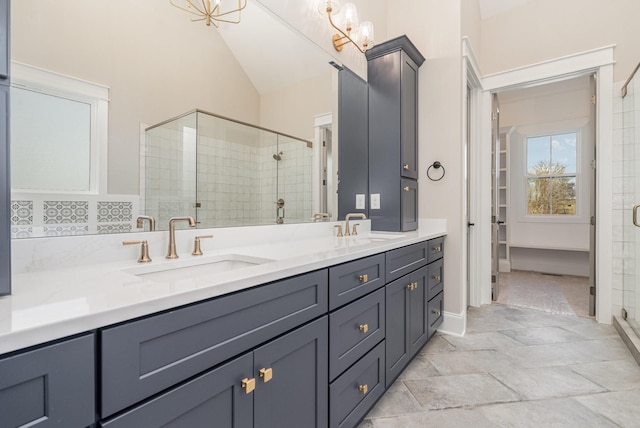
(375,201)
(359,201)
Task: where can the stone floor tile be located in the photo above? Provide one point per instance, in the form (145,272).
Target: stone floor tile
(437,345)
(397,400)
(560,413)
(547,382)
(366,423)
(542,335)
(620,407)
(419,368)
(482,341)
(449,418)
(495,322)
(592,330)
(465,362)
(616,375)
(445,392)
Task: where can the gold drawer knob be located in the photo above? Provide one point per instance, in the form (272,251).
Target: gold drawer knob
(437,277)
(437,249)
(248,385)
(406,188)
(363,388)
(364,328)
(436,312)
(412,286)
(405,167)
(363,278)
(266,374)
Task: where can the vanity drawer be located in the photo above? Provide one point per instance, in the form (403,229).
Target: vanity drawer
(349,401)
(49,386)
(434,314)
(435,278)
(144,357)
(435,248)
(406,259)
(354,330)
(352,280)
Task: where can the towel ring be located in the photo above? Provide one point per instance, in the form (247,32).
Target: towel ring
(436,165)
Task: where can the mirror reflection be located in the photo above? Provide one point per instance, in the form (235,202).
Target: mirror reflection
(92,99)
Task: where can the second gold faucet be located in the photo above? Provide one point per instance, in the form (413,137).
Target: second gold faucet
(171,253)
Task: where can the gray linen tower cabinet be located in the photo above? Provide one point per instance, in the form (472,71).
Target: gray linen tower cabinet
(392,70)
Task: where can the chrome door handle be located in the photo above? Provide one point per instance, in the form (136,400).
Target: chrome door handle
(635,215)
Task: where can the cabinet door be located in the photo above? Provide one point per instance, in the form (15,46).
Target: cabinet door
(52,386)
(417,315)
(397,342)
(409,205)
(435,313)
(213,399)
(5,192)
(353,134)
(409,119)
(291,375)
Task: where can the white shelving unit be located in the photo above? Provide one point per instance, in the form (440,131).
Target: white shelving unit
(503,189)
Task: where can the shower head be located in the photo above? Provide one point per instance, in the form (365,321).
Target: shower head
(278,156)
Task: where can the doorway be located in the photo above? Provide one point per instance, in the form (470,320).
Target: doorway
(600,62)
(542,197)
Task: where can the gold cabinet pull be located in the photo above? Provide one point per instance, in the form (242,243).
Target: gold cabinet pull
(405,167)
(437,277)
(406,188)
(364,328)
(436,312)
(363,277)
(248,385)
(363,388)
(438,248)
(412,286)
(266,374)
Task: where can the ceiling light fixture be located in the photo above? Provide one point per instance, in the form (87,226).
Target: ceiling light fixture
(215,13)
(346,22)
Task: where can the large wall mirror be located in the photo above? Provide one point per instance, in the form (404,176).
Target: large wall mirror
(99,88)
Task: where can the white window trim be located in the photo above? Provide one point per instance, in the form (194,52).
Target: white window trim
(553,218)
(44,81)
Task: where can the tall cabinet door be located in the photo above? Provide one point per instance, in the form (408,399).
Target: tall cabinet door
(291,375)
(397,344)
(409,120)
(353,143)
(5,187)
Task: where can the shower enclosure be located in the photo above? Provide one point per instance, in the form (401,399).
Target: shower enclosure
(627,252)
(225,173)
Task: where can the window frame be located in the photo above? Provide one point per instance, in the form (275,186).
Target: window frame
(39,80)
(553,218)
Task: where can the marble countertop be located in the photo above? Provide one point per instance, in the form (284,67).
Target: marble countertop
(50,304)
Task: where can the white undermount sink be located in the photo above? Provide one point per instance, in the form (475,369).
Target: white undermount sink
(195,268)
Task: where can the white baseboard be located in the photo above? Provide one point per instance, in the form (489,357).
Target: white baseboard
(453,324)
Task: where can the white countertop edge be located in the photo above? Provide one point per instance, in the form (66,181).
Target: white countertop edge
(12,339)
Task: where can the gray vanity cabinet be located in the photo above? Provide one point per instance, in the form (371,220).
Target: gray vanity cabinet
(406,316)
(289,388)
(5,187)
(393,130)
(50,386)
(353,173)
(147,356)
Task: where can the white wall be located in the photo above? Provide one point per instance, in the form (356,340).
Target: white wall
(157,63)
(543,29)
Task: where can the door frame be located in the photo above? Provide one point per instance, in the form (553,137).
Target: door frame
(599,61)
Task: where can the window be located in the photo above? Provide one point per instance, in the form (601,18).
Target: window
(552,174)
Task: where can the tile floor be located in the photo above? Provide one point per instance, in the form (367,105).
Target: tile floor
(517,367)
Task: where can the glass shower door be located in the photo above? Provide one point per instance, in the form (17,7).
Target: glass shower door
(630,200)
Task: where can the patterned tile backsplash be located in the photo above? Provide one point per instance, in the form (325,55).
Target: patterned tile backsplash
(21,212)
(110,212)
(66,212)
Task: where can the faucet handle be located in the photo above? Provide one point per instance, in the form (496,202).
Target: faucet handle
(339,227)
(197,251)
(144,252)
(355,229)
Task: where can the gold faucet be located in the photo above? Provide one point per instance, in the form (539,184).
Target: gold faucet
(320,217)
(171,254)
(350,216)
(140,222)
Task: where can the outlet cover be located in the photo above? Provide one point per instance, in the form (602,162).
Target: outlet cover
(360,201)
(375,201)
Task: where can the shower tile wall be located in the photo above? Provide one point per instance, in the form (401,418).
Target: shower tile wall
(625,187)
